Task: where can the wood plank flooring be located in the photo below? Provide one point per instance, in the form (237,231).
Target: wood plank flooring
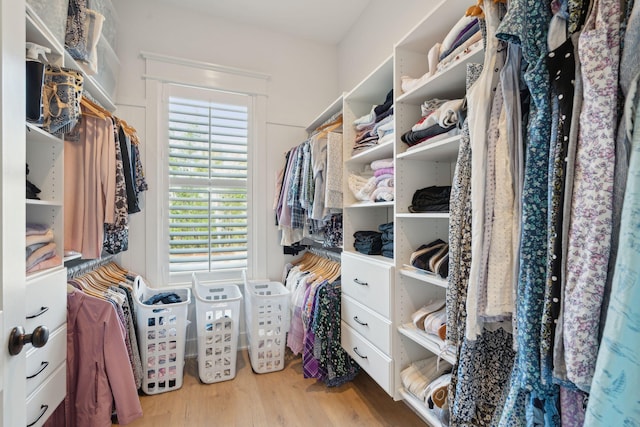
(283,398)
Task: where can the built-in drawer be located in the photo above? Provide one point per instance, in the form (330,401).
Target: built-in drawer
(41,362)
(368,282)
(44,400)
(372,360)
(46,301)
(367,323)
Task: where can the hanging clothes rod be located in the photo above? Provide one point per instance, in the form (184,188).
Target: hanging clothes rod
(85,266)
(326,253)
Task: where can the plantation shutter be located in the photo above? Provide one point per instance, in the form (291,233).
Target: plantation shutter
(207,163)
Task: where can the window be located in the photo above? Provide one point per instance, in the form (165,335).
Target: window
(207,163)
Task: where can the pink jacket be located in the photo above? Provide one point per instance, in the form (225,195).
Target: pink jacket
(98,369)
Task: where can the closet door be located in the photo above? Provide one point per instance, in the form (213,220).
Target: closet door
(12,210)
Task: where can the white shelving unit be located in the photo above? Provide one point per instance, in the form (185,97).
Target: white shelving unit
(388,291)
(367,287)
(422,166)
(46,289)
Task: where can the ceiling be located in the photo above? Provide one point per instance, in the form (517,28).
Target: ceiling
(326,21)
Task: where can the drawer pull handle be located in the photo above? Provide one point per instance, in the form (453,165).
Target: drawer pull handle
(361,283)
(360,322)
(42,311)
(355,350)
(43,366)
(43,410)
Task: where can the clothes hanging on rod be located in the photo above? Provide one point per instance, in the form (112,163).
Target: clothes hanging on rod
(315,327)
(308,188)
(103,181)
(104,370)
(527,303)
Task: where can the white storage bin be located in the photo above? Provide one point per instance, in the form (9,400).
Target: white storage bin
(267,320)
(108,69)
(53,14)
(110,25)
(162,331)
(217,319)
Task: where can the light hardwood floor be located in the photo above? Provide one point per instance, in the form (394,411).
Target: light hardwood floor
(283,398)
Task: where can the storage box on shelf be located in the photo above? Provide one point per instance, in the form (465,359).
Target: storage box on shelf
(111,21)
(429,164)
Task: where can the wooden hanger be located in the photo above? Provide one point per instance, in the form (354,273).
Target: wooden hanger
(95,108)
(90,109)
(475,10)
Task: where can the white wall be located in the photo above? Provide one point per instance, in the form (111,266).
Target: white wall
(304,80)
(370,41)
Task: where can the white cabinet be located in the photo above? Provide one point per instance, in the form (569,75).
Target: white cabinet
(367,280)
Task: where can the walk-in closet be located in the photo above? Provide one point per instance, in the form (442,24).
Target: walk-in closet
(339,213)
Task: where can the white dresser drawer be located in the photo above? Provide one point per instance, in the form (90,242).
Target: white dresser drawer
(46,398)
(367,323)
(42,361)
(377,365)
(46,301)
(367,282)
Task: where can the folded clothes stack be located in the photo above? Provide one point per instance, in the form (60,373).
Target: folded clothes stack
(376,127)
(432,318)
(440,119)
(378,187)
(432,257)
(428,380)
(431,199)
(368,242)
(462,39)
(387,239)
(40,248)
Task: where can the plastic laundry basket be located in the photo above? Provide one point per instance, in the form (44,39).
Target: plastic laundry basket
(217,319)
(267,319)
(162,331)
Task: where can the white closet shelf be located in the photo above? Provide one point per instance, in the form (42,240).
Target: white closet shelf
(368,91)
(72,257)
(426,277)
(43,273)
(431,342)
(37,32)
(445,150)
(420,408)
(370,205)
(90,85)
(377,258)
(35,202)
(374,153)
(34,133)
(447,83)
(426,215)
(330,111)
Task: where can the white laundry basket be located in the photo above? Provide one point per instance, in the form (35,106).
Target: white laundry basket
(217,319)
(162,332)
(267,320)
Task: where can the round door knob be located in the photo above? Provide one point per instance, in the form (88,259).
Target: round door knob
(18,338)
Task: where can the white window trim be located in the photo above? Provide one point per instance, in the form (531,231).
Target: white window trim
(160,70)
